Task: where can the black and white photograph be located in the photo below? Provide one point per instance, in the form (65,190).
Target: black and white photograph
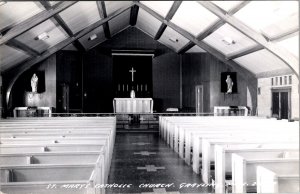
(149,97)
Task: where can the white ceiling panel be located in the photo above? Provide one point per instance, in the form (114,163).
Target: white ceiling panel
(194,18)
(113,6)
(261,61)
(173,40)
(10,57)
(81,15)
(55,32)
(160,7)
(291,44)
(147,23)
(100,37)
(216,40)
(196,49)
(227,5)
(119,23)
(281,27)
(270,17)
(12,13)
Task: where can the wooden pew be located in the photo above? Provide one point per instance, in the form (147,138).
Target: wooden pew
(34,176)
(244,171)
(52,139)
(223,159)
(51,187)
(246,142)
(172,129)
(272,182)
(51,143)
(50,158)
(181,133)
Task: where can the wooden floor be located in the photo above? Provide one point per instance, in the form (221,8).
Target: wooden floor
(142,161)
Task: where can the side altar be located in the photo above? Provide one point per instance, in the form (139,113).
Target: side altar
(133,105)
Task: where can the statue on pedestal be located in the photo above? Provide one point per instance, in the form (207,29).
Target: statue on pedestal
(229,84)
(34,83)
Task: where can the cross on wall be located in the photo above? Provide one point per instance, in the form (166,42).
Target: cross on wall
(132,71)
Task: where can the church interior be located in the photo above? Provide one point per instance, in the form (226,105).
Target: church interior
(149,97)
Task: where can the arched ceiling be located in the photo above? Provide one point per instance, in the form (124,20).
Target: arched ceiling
(260,36)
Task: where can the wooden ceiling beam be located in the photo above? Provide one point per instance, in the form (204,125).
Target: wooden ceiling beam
(245,73)
(173,10)
(238,7)
(168,17)
(244,52)
(27,65)
(34,21)
(64,25)
(103,14)
(216,25)
(134,15)
(186,47)
(21,46)
(285,35)
(290,60)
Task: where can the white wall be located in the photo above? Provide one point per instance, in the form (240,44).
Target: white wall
(264,99)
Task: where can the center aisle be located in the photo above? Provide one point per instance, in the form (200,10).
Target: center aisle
(143,161)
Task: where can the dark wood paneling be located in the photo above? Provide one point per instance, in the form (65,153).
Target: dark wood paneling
(204,69)
(69,72)
(98,82)
(47,98)
(98,64)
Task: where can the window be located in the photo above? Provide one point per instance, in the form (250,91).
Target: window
(285,80)
(290,79)
(280,80)
(258,91)
(272,81)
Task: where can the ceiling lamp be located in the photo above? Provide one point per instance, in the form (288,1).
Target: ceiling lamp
(228,41)
(42,36)
(172,39)
(93,37)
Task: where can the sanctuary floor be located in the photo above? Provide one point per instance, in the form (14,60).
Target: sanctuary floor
(142,161)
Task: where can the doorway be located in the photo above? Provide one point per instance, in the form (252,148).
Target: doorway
(199,98)
(281,103)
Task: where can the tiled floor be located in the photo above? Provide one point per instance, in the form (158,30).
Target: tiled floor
(143,161)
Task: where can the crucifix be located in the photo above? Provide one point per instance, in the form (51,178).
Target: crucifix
(132,71)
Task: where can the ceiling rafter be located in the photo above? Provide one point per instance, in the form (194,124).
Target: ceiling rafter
(34,21)
(133,15)
(25,66)
(244,52)
(245,73)
(290,60)
(186,47)
(103,14)
(21,46)
(255,48)
(285,35)
(64,25)
(168,17)
(215,26)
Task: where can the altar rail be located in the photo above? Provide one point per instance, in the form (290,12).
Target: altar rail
(231,111)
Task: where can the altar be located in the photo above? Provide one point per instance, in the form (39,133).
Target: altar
(133,105)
